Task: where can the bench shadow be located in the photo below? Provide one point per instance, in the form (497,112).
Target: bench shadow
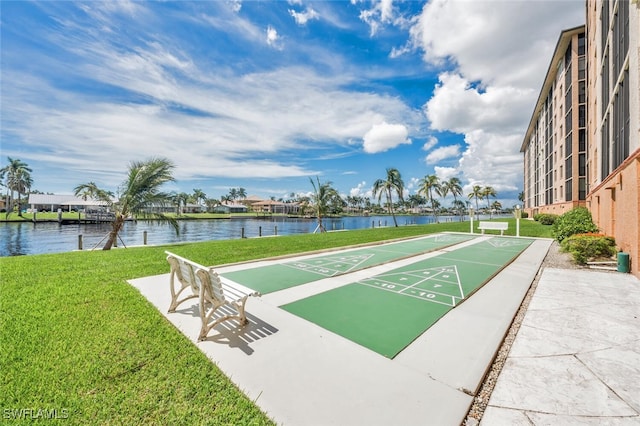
(230,332)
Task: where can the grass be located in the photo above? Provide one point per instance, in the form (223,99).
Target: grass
(77,338)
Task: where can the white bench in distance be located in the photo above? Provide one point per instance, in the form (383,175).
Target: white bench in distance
(211,291)
(493,226)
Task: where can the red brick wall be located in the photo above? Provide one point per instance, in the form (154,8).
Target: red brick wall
(615,207)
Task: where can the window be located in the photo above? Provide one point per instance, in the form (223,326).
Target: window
(582,71)
(605,83)
(568,192)
(582,140)
(606,144)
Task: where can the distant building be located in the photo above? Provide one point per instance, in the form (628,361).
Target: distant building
(229,208)
(555,144)
(51,203)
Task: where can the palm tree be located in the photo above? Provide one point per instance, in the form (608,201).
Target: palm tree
(488,192)
(392,184)
(459,205)
(139,194)
(414,201)
(323,199)
(233,194)
(454,186)
(242,193)
(18,178)
(428,185)
(181,199)
(476,192)
(496,205)
(199,195)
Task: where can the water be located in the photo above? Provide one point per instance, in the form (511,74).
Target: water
(23,238)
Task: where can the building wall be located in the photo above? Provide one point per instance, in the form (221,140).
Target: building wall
(555,144)
(613,34)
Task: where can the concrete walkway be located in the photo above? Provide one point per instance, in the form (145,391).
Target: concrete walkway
(576,357)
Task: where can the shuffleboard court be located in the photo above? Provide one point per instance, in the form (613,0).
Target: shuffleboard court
(385,313)
(267,279)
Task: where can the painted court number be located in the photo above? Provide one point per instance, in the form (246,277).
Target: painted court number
(422,293)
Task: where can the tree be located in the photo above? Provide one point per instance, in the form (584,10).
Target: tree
(323,199)
(415,200)
(487,193)
(459,205)
(388,186)
(17,177)
(180,200)
(139,195)
(199,195)
(242,193)
(476,192)
(428,185)
(233,194)
(454,186)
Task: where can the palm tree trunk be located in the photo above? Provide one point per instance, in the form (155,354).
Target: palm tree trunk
(395,222)
(116,226)
(19,204)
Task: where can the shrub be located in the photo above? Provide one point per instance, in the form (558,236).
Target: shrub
(576,221)
(524,215)
(545,218)
(585,247)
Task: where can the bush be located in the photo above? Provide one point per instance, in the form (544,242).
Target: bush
(585,247)
(545,218)
(576,221)
(524,215)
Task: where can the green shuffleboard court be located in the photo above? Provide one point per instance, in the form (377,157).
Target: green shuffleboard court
(387,312)
(267,279)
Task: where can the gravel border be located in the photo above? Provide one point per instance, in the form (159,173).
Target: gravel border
(553,259)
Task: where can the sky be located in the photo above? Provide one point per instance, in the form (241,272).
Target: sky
(264,95)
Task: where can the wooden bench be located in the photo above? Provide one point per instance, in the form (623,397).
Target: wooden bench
(211,291)
(493,226)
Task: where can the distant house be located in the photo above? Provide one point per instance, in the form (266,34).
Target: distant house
(229,208)
(193,208)
(53,202)
(278,207)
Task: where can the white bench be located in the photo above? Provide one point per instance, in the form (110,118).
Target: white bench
(493,226)
(211,291)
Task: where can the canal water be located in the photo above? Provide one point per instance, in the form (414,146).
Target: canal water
(23,238)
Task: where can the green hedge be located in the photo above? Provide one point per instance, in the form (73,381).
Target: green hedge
(576,221)
(585,247)
(545,218)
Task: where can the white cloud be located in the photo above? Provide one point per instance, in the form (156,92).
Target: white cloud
(430,143)
(446,173)
(360,190)
(443,153)
(231,121)
(235,5)
(383,137)
(497,53)
(459,107)
(382,12)
(302,18)
(273,39)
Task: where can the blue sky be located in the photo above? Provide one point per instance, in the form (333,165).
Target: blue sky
(264,95)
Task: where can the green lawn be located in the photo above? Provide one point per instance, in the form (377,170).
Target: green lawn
(78,339)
